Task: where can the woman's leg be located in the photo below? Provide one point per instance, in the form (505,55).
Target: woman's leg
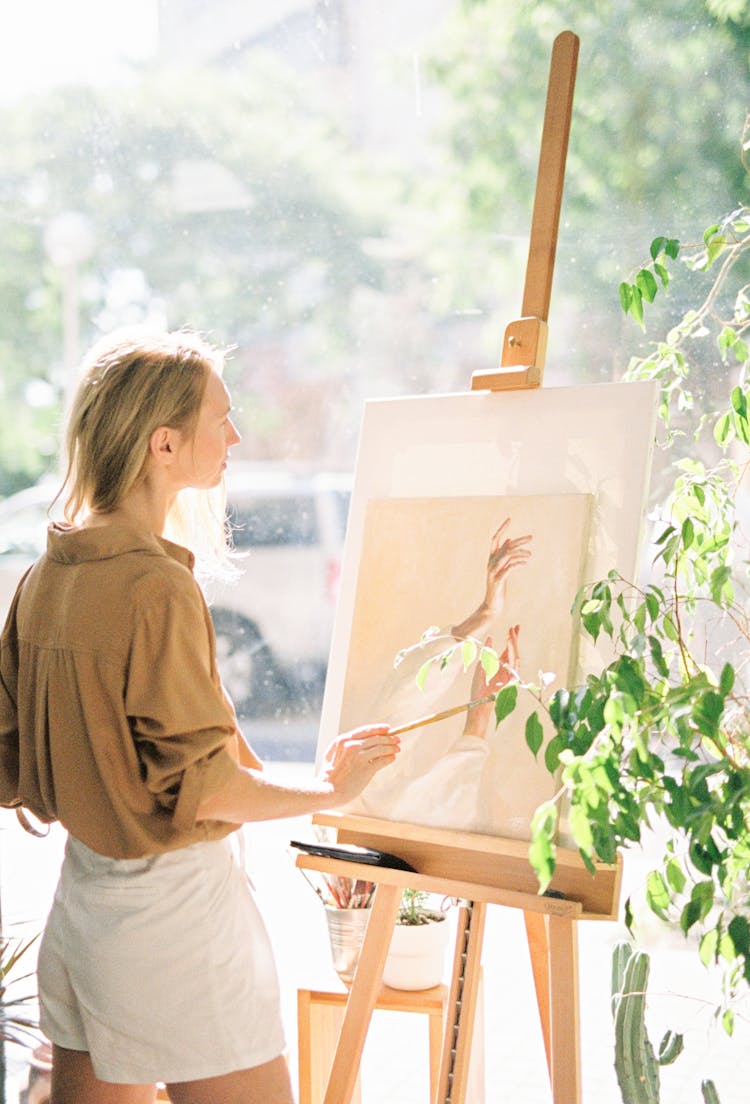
(74,1082)
(266,1084)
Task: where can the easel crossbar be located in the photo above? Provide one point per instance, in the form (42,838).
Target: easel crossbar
(491,866)
(445,887)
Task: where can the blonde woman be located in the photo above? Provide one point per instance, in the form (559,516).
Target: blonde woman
(155,965)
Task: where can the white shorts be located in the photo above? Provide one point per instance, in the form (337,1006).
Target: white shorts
(160,967)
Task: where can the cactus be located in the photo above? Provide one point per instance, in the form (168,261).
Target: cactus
(636,1064)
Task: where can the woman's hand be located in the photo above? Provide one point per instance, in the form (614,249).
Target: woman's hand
(354,758)
(478,717)
(506,554)
(350,762)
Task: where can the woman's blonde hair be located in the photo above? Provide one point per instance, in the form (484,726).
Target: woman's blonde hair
(132,383)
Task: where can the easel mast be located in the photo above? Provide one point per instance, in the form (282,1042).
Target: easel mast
(484,870)
(525,341)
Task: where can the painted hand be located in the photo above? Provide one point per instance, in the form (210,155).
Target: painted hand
(479,716)
(506,554)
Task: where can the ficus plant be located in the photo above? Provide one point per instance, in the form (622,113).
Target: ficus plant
(661,735)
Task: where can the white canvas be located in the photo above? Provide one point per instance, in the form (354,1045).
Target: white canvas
(435,477)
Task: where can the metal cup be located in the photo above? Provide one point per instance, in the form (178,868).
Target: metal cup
(346,930)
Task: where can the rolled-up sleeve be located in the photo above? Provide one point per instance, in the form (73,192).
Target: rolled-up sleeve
(184,731)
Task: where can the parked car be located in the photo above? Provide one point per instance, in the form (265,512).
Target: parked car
(273,623)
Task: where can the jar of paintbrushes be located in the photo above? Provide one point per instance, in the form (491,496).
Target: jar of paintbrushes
(347,904)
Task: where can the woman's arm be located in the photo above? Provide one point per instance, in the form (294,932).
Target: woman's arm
(506,554)
(478,717)
(350,763)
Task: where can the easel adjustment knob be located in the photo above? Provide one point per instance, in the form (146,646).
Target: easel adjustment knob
(523,356)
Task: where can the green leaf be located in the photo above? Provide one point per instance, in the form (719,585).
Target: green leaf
(727,1021)
(714,249)
(675,876)
(690,915)
(468,653)
(542,847)
(422,674)
(552,753)
(726,679)
(739,402)
(657,246)
(647,285)
(708,947)
(662,273)
(593,605)
(726,339)
(653,606)
(490,662)
(670,629)
(722,429)
(629,679)
(636,305)
(505,702)
(688,532)
(739,933)
(657,894)
(720,576)
(626,296)
(672,248)
(707,713)
(534,734)
(581,829)
(665,536)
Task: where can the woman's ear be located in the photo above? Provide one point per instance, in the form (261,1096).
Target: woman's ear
(163,444)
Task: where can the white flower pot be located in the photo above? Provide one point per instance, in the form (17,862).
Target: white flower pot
(416,957)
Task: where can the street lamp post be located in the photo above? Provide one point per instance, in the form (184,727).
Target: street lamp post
(69,241)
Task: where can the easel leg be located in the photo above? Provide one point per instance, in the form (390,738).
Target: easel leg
(536,934)
(363,995)
(462,1003)
(564,1010)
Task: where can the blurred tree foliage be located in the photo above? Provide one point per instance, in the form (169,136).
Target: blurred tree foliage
(225,203)
(660,101)
(230,201)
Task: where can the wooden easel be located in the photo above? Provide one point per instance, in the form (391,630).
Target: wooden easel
(483,870)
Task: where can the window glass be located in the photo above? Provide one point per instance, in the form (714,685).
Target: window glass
(274,521)
(340,191)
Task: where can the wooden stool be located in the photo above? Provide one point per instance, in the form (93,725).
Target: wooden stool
(319,1016)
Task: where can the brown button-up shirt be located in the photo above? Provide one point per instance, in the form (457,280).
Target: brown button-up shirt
(113,719)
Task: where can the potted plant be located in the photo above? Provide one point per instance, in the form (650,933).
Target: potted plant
(660,735)
(416,957)
(18,1024)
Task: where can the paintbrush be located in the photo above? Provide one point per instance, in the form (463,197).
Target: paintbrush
(441,716)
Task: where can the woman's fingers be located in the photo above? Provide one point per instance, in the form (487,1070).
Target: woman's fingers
(372,743)
(497,536)
(515,547)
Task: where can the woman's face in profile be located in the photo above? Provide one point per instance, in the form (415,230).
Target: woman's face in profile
(202,458)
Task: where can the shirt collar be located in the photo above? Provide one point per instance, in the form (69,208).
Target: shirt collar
(67,544)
